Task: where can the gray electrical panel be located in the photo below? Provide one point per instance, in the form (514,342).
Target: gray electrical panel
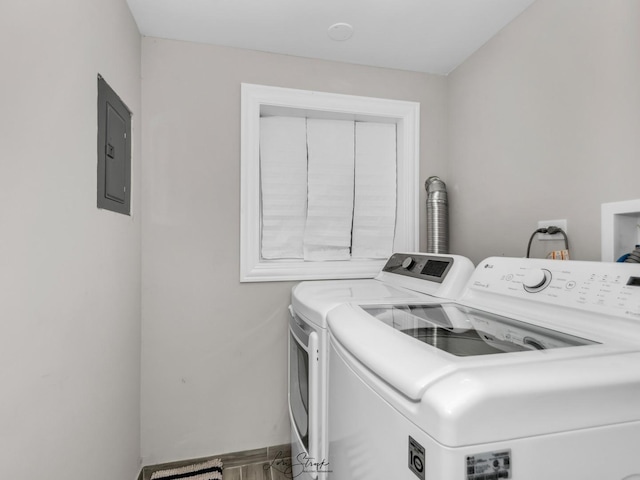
(114,151)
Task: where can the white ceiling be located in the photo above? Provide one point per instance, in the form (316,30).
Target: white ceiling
(432,36)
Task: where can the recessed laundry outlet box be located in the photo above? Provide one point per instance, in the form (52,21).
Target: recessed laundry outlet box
(620,228)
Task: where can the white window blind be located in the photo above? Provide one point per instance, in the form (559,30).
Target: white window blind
(330,180)
(374,215)
(328,189)
(283,184)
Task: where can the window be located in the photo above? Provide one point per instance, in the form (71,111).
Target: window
(264,257)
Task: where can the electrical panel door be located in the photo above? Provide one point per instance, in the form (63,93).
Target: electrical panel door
(114,151)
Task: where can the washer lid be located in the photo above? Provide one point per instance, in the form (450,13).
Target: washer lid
(412,366)
(487,398)
(465,331)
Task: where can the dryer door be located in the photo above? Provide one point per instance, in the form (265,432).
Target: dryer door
(303,383)
(299,388)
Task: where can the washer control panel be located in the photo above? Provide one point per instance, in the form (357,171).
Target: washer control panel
(600,286)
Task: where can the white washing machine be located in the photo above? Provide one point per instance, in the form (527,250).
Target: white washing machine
(406,277)
(533,374)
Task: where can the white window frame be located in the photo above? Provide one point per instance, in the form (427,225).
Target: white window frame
(259,100)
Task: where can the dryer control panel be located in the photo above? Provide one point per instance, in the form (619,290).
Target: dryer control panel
(419,265)
(440,275)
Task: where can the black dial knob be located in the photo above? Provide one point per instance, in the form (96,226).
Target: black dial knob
(408,263)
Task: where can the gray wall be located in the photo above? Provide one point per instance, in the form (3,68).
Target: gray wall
(544,123)
(214,350)
(69,273)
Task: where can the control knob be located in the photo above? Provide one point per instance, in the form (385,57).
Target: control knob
(408,262)
(536,279)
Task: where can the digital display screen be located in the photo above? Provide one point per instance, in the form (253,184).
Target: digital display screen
(634,281)
(434,268)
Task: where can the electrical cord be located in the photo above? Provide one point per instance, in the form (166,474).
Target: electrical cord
(549,231)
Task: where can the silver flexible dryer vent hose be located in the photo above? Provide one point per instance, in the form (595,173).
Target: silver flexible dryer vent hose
(437,216)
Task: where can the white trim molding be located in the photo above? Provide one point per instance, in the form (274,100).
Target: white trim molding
(260,100)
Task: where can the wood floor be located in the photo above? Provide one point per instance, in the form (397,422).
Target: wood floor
(269,463)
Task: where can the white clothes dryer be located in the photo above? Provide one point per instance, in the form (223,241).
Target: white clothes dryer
(406,277)
(534,373)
